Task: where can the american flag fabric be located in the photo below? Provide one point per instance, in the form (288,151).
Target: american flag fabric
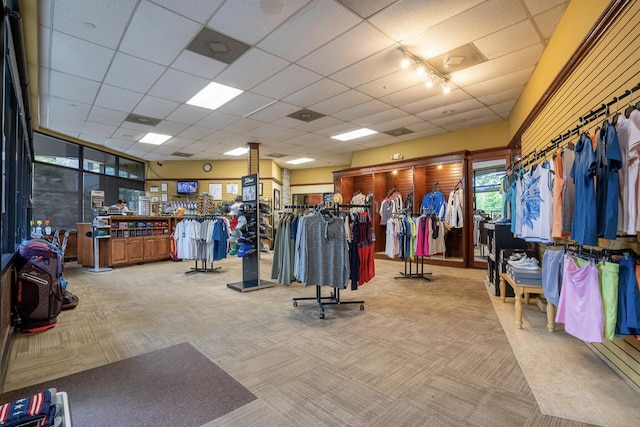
(34,411)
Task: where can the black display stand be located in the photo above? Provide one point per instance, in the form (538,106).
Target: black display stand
(499,239)
(410,274)
(203,269)
(334,297)
(251,262)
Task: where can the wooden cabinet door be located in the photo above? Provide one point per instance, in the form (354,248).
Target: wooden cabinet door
(119,251)
(135,251)
(150,250)
(163,248)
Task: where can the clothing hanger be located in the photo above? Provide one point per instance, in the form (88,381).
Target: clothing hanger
(630,108)
(391,191)
(614,120)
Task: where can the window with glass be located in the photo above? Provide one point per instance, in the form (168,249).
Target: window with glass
(131,169)
(98,161)
(487,190)
(56,152)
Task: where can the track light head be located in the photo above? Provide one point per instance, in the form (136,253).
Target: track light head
(445,87)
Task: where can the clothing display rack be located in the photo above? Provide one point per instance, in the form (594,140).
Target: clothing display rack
(603,110)
(204,268)
(334,297)
(408,264)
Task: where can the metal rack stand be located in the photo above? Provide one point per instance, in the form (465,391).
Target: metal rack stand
(410,274)
(204,269)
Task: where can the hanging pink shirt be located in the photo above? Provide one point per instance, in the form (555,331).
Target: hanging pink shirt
(580,304)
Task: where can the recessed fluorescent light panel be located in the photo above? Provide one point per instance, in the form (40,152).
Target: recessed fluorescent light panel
(354,134)
(300,160)
(214,95)
(237,151)
(155,138)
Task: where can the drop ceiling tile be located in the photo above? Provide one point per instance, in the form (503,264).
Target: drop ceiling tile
(538,6)
(106,116)
(72,109)
(356,44)
(465,116)
(380,117)
(366,109)
(263,17)
(118,144)
(287,122)
(155,107)
(65,124)
(480,21)
(166,149)
(496,98)
(287,135)
(99,129)
(253,67)
(340,102)
(403,121)
(93,138)
(198,10)
(153,26)
(500,84)
(78,57)
(137,126)
(274,112)
(421,127)
(200,145)
(409,17)
(188,114)
(242,126)
(317,23)
(451,109)
(177,86)
(504,108)
(167,127)
(472,123)
(266,130)
(438,100)
(177,142)
(217,120)
(547,21)
(508,40)
(316,92)
(506,64)
(369,69)
(426,133)
(153,157)
(394,82)
(337,129)
(73,88)
(318,125)
(287,81)
(116,98)
(245,104)
(129,72)
(139,149)
(308,138)
(195,132)
(198,65)
(96,21)
(127,134)
(405,96)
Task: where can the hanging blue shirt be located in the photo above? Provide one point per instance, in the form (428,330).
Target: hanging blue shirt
(584,227)
(609,160)
(432,203)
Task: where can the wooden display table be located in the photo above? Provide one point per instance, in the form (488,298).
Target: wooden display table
(521,290)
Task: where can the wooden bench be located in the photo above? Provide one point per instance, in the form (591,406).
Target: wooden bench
(522,291)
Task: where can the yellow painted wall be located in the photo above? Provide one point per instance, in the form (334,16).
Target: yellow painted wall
(322,175)
(577,20)
(478,138)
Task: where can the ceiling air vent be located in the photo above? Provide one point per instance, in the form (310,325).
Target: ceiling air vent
(217,46)
(398,131)
(276,155)
(457,59)
(305,115)
(179,154)
(142,120)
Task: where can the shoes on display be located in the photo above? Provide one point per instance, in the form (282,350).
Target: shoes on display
(525,262)
(516,256)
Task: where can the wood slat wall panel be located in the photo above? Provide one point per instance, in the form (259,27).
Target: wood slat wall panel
(607,71)
(363,183)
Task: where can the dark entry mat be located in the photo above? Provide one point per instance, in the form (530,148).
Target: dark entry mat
(175,386)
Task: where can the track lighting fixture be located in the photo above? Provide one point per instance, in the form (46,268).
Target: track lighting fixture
(421,67)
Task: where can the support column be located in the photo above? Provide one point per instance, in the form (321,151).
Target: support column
(253,158)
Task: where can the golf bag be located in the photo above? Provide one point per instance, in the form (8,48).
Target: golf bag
(39,293)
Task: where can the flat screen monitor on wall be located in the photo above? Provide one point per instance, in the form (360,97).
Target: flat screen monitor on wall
(187,187)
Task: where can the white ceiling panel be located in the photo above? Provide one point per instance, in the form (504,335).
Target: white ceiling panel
(155,107)
(198,65)
(198,10)
(316,92)
(472,123)
(96,21)
(265,17)
(410,17)
(341,102)
(251,68)
(524,58)
(188,114)
(116,98)
(245,104)
(354,45)
(286,82)
(78,57)
(106,116)
(475,23)
(317,23)
(500,84)
(97,64)
(516,37)
(73,88)
(129,72)
(153,26)
(177,86)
